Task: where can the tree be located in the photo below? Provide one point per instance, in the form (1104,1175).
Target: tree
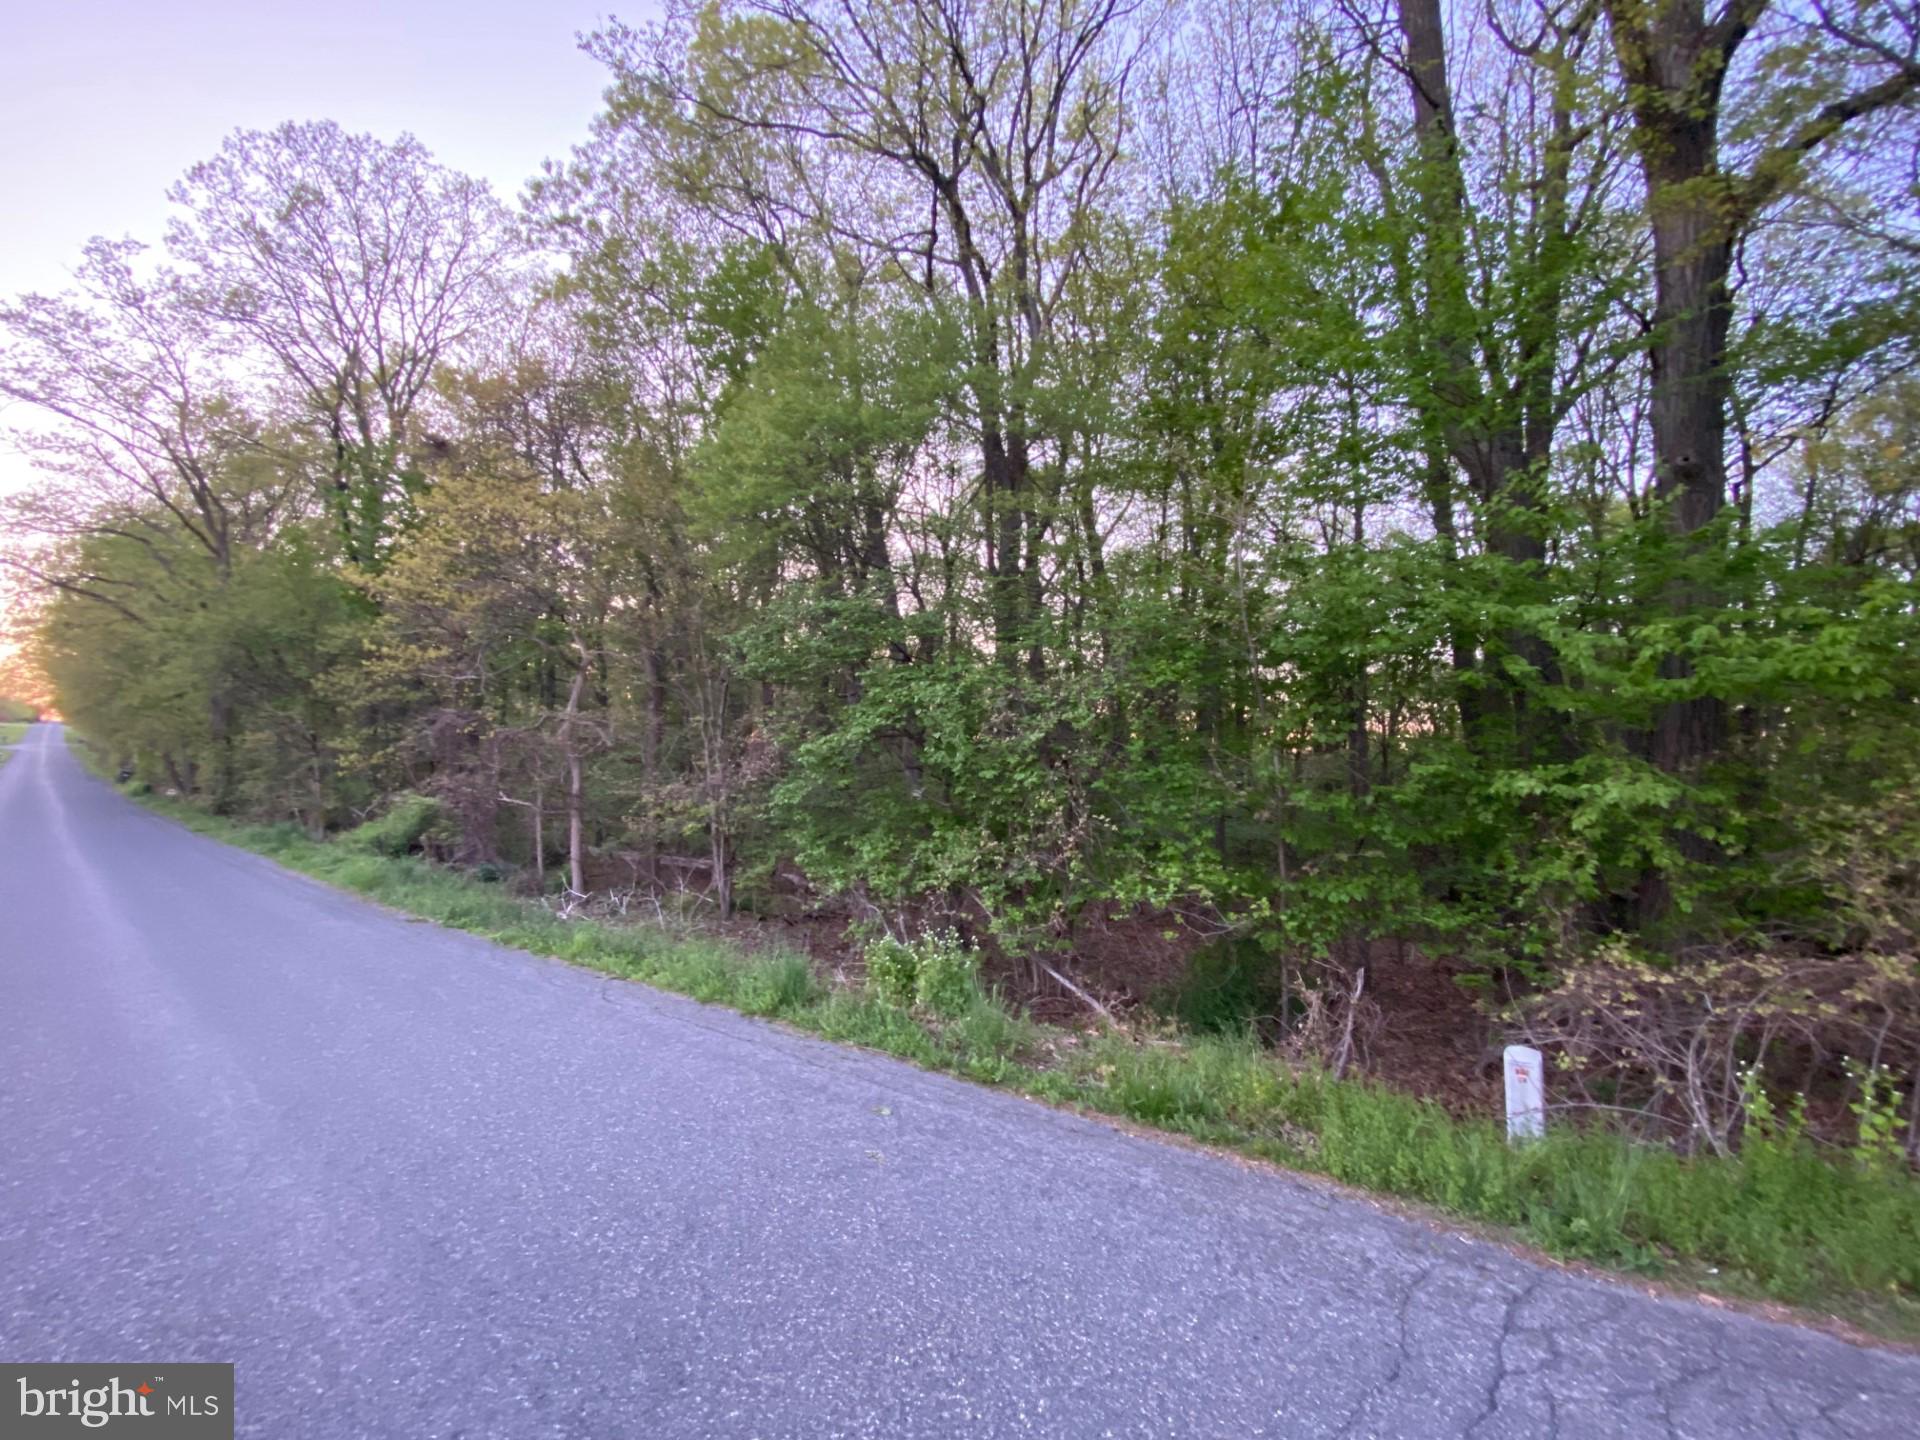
(141,437)
(1863,59)
(501,580)
(359,267)
(147,453)
(1000,125)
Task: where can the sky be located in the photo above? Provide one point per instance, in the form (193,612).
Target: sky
(104,103)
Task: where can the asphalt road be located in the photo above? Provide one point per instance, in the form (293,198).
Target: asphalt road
(418,1185)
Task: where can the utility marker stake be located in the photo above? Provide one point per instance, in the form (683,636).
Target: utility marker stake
(1526,1093)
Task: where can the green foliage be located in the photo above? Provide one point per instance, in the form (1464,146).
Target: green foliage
(1779,1218)
(936,972)
(1879,1144)
(893,970)
(403,828)
(1284,550)
(1226,988)
(224,691)
(948,978)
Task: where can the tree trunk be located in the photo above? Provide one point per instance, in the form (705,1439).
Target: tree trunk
(539,817)
(225,772)
(576,846)
(1674,63)
(1693,311)
(1438,485)
(569,739)
(721,852)
(1497,427)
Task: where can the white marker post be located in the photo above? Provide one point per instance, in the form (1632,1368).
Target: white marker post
(1526,1094)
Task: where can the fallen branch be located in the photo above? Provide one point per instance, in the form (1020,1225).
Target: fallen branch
(1072,988)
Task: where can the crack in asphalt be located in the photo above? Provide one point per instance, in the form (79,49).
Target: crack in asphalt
(1509,1312)
(1403,1346)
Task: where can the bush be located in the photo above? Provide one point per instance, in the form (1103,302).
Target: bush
(949,978)
(403,829)
(1694,1046)
(1228,987)
(892,967)
(936,972)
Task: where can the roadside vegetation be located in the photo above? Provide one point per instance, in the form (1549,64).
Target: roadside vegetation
(15,716)
(1784,1219)
(1305,542)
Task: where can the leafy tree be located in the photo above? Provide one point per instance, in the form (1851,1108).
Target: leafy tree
(1307,476)
(358,267)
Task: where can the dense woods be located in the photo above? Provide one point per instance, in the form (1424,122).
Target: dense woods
(1279,482)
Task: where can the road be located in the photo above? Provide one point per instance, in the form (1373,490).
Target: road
(417,1185)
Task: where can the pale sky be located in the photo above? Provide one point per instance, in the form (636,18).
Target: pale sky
(103,103)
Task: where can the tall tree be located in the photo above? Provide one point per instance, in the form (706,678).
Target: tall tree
(139,434)
(987,135)
(358,266)
(1676,60)
(1502,288)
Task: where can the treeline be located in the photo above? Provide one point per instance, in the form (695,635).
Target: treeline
(1310,472)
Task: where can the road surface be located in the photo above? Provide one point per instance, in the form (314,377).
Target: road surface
(417,1185)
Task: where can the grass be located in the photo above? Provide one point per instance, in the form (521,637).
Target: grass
(11,734)
(1778,1222)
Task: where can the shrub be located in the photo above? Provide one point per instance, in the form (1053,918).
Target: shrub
(892,968)
(404,827)
(936,972)
(1693,1045)
(1227,987)
(949,974)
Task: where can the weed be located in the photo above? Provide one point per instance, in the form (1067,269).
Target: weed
(936,972)
(892,967)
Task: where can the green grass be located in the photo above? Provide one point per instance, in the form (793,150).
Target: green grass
(11,734)
(1779,1222)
